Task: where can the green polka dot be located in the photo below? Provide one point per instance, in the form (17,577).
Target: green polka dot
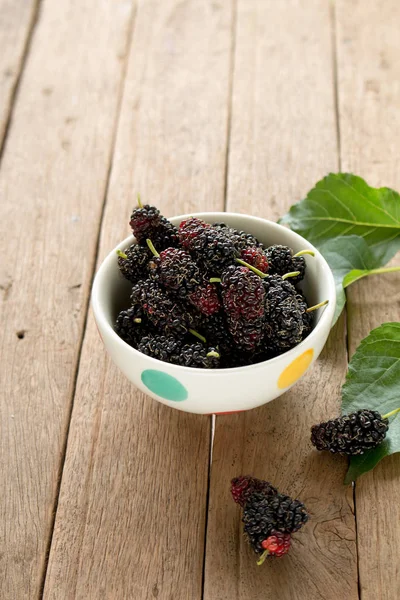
(164,385)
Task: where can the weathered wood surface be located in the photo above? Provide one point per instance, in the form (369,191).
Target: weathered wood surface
(52,184)
(220,101)
(132,508)
(283,138)
(369,106)
(17,19)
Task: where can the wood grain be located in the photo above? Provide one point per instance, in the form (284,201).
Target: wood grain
(16,22)
(132,508)
(369,100)
(283,140)
(52,185)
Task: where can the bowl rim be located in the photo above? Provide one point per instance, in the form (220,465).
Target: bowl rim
(326,316)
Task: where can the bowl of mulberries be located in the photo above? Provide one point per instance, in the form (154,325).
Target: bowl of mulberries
(214,312)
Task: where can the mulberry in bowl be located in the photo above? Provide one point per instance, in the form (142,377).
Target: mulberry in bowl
(227,389)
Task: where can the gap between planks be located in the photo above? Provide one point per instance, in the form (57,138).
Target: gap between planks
(4,129)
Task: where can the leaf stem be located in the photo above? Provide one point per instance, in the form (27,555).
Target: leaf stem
(256,271)
(302,252)
(291,274)
(122,254)
(317,306)
(198,335)
(153,250)
(374,272)
(391,413)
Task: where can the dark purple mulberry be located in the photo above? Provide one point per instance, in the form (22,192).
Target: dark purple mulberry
(197,355)
(144,220)
(351,434)
(240,239)
(189,229)
(133,262)
(166,313)
(243,296)
(281,261)
(212,251)
(160,346)
(132,325)
(178,272)
(264,514)
(283,315)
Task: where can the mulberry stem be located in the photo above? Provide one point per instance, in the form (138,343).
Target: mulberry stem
(391,413)
(138,320)
(139,201)
(215,280)
(214,354)
(263,557)
(153,250)
(291,274)
(198,335)
(302,252)
(317,306)
(122,254)
(254,269)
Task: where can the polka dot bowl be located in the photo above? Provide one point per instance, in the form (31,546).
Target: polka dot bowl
(216,391)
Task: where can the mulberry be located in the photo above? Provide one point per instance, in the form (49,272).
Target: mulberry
(243,296)
(351,434)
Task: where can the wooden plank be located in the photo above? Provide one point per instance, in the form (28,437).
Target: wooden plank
(131,514)
(369,101)
(16,22)
(282,140)
(52,185)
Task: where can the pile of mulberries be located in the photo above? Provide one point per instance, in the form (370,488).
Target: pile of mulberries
(270,518)
(208,295)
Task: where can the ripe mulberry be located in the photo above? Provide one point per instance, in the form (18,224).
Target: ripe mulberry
(351,434)
(133,262)
(281,261)
(166,313)
(212,251)
(160,346)
(197,355)
(206,299)
(132,325)
(255,257)
(264,515)
(243,487)
(189,229)
(240,239)
(308,317)
(243,296)
(177,271)
(144,220)
(165,235)
(283,318)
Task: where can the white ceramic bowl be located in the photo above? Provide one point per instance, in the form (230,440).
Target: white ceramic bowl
(217,390)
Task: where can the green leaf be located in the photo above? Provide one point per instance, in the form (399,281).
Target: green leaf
(343,204)
(373,381)
(345,256)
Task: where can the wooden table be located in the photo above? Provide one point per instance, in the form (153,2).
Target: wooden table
(199,105)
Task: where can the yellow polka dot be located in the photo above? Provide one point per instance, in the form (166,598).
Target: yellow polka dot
(296,369)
